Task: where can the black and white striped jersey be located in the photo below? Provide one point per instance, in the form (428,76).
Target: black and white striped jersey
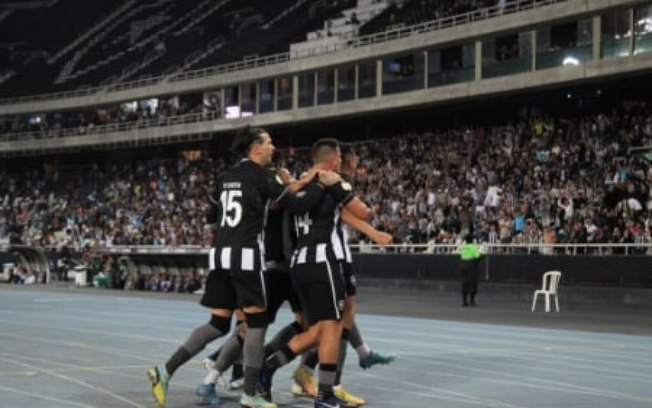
(318,239)
(343,230)
(239,208)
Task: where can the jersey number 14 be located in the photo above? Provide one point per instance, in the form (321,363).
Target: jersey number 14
(303,224)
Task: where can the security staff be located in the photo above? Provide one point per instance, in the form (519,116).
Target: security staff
(470,254)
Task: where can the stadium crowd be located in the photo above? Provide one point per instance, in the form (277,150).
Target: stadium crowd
(541,180)
(145,112)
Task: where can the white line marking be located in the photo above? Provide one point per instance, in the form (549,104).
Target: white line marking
(52,399)
(436,392)
(103,332)
(18,373)
(78,382)
(50,300)
(551,385)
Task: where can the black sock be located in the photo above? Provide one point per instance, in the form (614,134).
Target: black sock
(215,354)
(310,358)
(282,337)
(279,359)
(238,370)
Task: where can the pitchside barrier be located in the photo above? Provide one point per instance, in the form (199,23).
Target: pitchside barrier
(609,265)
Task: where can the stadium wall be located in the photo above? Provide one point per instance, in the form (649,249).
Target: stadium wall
(513,277)
(631,271)
(582,270)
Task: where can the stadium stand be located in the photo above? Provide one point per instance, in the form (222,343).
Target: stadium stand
(97,120)
(27,51)
(129,40)
(413,12)
(544,179)
(132,40)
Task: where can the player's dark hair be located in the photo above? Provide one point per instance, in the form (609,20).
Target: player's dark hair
(347,150)
(244,139)
(324,148)
(348,154)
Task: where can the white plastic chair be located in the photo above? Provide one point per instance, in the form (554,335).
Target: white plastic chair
(549,288)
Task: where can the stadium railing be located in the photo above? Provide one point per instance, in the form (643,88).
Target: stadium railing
(425,249)
(110,128)
(37,258)
(509,7)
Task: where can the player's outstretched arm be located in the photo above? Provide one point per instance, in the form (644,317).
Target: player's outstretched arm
(362,226)
(358,208)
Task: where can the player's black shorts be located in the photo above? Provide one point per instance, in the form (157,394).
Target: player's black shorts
(280,289)
(349,278)
(320,287)
(234,289)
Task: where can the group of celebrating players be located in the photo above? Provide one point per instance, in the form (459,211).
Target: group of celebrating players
(280,239)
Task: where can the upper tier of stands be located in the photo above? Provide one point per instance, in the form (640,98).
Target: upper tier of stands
(114,42)
(119,41)
(413,12)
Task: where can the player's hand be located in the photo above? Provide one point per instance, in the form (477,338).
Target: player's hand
(329,178)
(381,238)
(285,176)
(307,176)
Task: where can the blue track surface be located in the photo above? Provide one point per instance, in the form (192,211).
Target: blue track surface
(91,350)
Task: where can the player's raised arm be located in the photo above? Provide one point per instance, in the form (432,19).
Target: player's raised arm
(305,199)
(294,185)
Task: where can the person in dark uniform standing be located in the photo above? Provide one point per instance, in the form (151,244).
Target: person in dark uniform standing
(238,206)
(318,281)
(470,254)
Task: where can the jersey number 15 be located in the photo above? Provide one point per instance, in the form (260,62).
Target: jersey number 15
(231,208)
